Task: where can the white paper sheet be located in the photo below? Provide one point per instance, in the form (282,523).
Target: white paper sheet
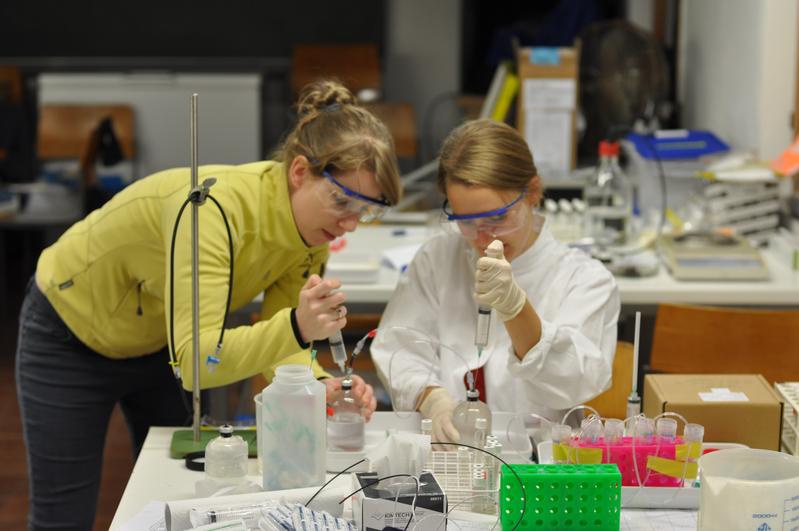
(648,520)
(550,93)
(549,134)
(399,257)
(150,518)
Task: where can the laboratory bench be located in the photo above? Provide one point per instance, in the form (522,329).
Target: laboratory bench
(369,245)
(158,478)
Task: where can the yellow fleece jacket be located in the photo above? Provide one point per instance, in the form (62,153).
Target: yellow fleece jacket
(107,276)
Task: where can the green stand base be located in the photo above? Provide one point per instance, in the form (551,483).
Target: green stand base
(183,442)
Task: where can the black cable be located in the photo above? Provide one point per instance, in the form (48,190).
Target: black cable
(172,351)
(331,480)
(519,479)
(172,354)
(230,275)
(378,480)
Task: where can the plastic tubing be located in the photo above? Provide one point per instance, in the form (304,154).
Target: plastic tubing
(427,341)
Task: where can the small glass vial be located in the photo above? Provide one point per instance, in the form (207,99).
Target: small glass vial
(466,413)
(226,457)
(345,427)
(614,431)
(480,432)
(666,430)
(427,427)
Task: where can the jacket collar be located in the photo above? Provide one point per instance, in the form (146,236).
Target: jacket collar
(278,226)
(537,252)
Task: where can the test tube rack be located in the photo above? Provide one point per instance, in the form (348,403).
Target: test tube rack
(561,497)
(789,392)
(657,463)
(468,478)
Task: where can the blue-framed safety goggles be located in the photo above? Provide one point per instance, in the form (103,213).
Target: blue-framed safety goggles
(343,201)
(497,222)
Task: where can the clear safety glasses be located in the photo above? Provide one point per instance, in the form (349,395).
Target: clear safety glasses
(498,222)
(341,201)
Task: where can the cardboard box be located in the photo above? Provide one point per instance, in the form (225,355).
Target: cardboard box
(547,108)
(739,408)
(377,507)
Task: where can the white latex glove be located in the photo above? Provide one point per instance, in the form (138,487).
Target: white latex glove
(439,406)
(494,284)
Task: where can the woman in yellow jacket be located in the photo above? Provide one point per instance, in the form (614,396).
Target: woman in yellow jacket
(96,324)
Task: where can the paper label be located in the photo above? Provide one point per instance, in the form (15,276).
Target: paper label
(550,93)
(549,134)
(723,394)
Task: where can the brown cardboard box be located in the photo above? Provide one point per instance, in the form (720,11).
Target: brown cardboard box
(740,408)
(548,97)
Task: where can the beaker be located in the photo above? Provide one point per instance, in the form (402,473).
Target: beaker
(745,486)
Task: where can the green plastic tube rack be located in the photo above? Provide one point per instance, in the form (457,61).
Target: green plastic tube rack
(578,497)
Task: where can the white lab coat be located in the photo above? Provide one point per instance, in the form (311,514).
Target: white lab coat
(574,295)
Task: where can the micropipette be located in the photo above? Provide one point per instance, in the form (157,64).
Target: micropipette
(484,311)
(634,401)
(337,350)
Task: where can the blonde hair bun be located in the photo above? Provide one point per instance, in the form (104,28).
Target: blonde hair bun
(322,95)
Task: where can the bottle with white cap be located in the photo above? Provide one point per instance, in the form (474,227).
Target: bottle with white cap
(465,416)
(226,457)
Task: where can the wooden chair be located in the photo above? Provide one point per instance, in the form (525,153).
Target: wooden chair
(706,340)
(613,402)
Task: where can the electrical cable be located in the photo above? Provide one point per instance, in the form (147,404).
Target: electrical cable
(331,480)
(195,196)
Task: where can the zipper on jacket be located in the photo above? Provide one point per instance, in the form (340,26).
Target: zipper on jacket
(139,311)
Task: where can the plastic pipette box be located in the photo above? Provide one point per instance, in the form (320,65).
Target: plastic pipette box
(561,497)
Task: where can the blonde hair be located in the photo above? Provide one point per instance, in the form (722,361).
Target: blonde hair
(334,132)
(488,153)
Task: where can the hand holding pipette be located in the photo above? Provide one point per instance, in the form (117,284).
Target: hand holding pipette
(495,286)
(320,312)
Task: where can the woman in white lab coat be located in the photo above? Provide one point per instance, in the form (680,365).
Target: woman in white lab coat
(555,310)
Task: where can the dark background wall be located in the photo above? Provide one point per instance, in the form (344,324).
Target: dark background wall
(182,28)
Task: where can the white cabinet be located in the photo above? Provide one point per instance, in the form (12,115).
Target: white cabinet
(229,114)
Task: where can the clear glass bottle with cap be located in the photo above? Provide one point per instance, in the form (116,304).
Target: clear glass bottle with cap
(608,199)
(345,423)
(226,457)
(465,416)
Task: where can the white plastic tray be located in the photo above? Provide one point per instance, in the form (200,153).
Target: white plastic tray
(378,429)
(651,497)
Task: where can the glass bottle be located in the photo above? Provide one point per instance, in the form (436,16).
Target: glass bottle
(345,427)
(608,199)
(465,416)
(226,457)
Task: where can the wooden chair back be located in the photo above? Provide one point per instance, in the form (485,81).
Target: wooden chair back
(707,340)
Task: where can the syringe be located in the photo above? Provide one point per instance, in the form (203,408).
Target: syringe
(494,250)
(338,351)
(634,401)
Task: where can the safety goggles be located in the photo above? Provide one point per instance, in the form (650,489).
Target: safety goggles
(498,222)
(341,201)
